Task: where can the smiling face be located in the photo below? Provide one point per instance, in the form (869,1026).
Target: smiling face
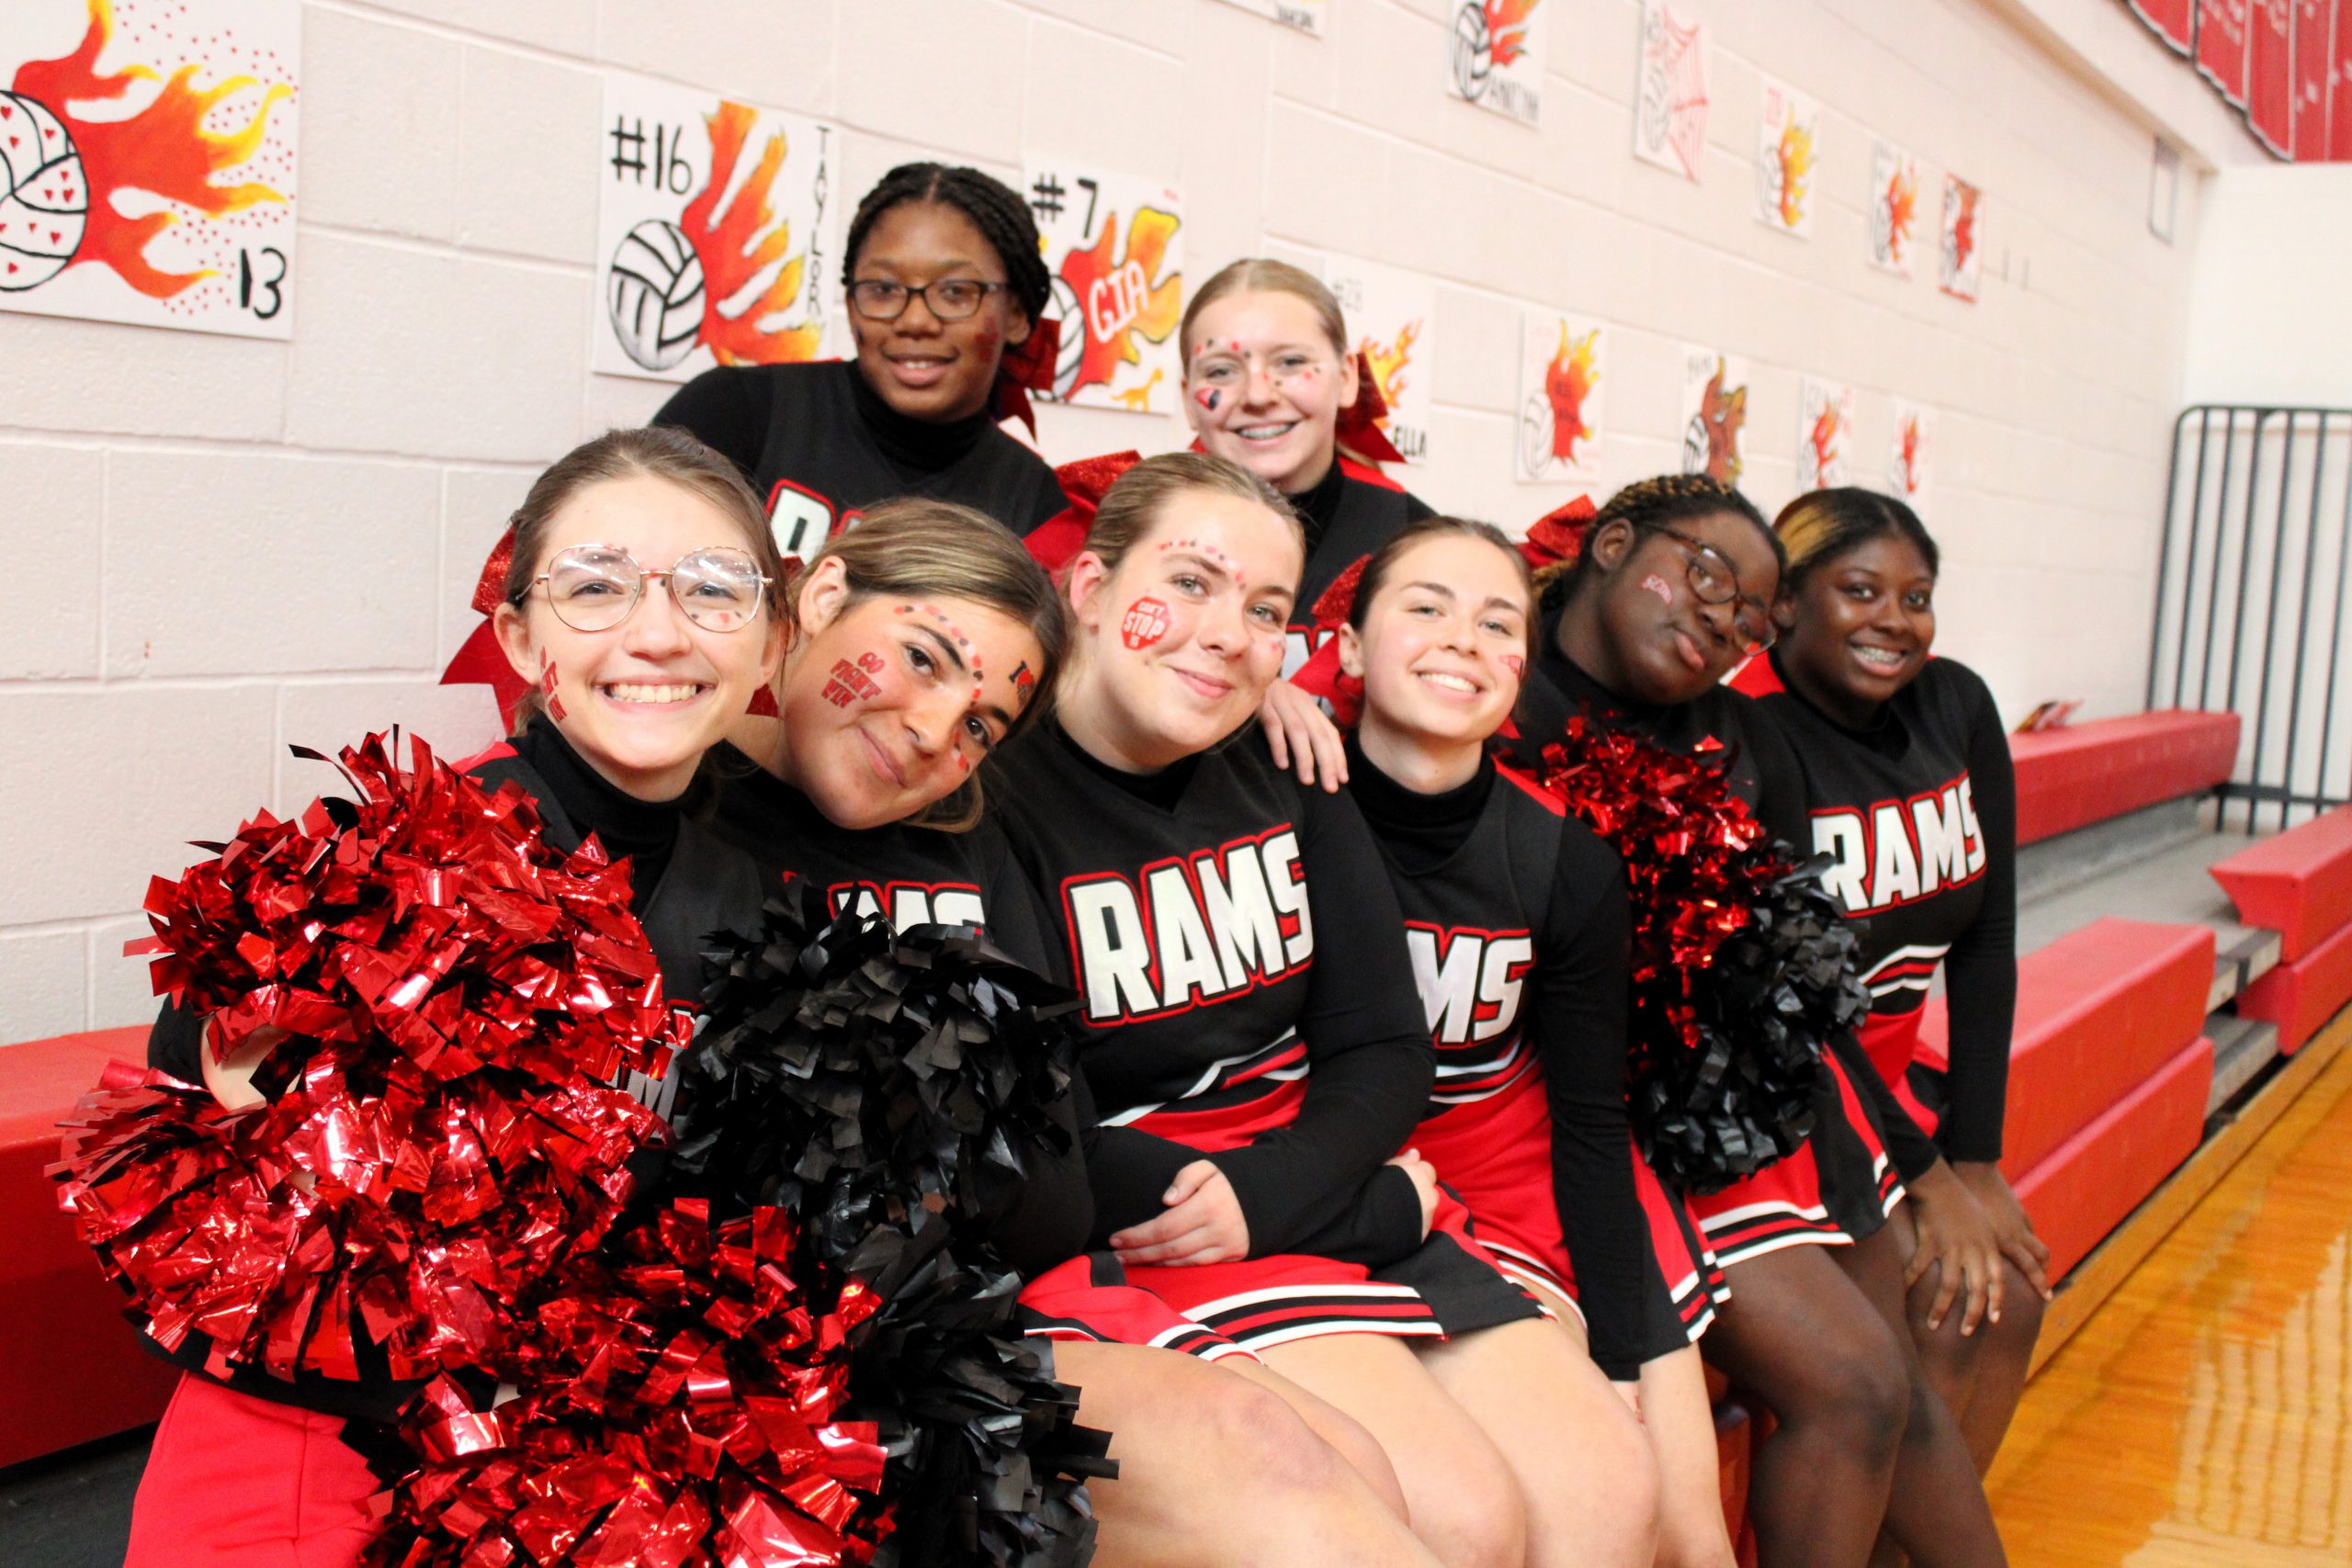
(890,701)
(1655,641)
(642,700)
(1444,647)
(1860,628)
(922,367)
(1184,636)
(1264,385)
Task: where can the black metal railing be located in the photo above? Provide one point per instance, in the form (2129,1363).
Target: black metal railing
(2250,599)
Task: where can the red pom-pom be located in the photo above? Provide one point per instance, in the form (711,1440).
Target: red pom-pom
(447,1000)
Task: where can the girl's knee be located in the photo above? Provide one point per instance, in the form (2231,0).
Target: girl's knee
(1265,1442)
(1468,1507)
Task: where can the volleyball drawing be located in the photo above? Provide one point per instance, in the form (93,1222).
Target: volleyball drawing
(44,199)
(656,295)
(1061,306)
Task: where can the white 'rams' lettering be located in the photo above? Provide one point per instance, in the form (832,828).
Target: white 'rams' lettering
(1470,981)
(1902,850)
(910,904)
(1225,921)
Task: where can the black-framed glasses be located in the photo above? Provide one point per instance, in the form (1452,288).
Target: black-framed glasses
(593,588)
(947,298)
(1715,581)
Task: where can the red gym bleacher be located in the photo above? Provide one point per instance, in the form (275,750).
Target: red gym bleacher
(2082,773)
(2299,884)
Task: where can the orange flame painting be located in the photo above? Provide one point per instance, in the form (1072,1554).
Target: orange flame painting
(1122,296)
(1569,379)
(163,151)
(1795,156)
(1827,429)
(1964,227)
(1506,39)
(1902,208)
(745,240)
(1722,411)
(1907,455)
(1388,362)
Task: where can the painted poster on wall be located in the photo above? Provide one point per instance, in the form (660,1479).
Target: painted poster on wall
(1494,56)
(1715,413)
(719,234)
(147,162)
(1299,16)
(2175,21)
(1894,225)
(1907,453)
(2221,46)
(1671,94)
(1825,432)
(1962,245)
(1562,382)
(1788,147)
(2314,59)
(1390,313)
(1115,246)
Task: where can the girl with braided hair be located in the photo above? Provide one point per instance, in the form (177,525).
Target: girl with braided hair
(945,290)
(1670,587)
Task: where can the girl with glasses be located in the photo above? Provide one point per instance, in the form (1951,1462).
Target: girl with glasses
(1669,588)
(1909,785)
(944,287)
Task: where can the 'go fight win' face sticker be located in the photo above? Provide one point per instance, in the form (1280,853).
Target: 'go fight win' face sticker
(1145,622)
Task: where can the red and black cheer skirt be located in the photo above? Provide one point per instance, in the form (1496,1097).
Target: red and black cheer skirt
(1496,1154)
(237,1482)
(1891,1042)
(1450,1285)
(1835,1190)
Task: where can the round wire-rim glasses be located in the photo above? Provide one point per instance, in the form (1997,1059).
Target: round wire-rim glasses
(593,588)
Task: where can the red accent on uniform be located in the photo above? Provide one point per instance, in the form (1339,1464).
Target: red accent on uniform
(232,1478)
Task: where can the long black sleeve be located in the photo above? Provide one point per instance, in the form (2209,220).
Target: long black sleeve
(175,1043)
(1582,1024)
(1054,1216)
(1981,970)
(1367,1042)
(722,409)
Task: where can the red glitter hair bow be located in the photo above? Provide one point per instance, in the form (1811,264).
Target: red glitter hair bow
(1027,369)
(1557,537)
(1359,429)
(1054,543)
(1321,675)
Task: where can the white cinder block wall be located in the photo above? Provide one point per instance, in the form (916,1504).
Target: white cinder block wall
(219,547)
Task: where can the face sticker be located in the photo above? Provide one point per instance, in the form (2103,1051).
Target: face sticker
(1660,586)
(1516,665)
(850,683)
(1144,623)
(1024,685)
(1208,398)
(547,688)
(870,661)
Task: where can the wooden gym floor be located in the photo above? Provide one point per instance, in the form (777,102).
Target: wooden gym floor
(2201,1416)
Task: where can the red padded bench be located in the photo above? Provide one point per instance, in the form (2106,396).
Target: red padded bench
(2083,773)
(75,1371)
(2298,883)
(2100,1011)
(2085,1189)
(2302,996)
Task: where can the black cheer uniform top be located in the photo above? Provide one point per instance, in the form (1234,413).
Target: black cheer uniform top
(818,445)
(1231,933)
(1348,514)
(1762,771)
(1517,920)
(914,876)
(1918,814)
(684,884)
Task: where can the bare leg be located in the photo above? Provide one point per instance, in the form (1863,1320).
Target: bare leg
(1215,1469)
(1463,1501)
(1981,1376)
(1681,1422)
(1937,1512)
(1802,1337)
(1577,1448)
(1335,1426)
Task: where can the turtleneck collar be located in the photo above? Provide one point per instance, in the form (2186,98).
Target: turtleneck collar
(644,831)
(910,442)
(1318,504)
(1421,831)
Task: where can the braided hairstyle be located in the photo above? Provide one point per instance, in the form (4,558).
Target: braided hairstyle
(997,212)
(1654,504)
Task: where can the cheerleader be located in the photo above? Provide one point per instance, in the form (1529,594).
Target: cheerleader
(945,287)
(1673,584)
(1270,383)
(1254,1045)
(630,686)
(1181,1428)
(1909,786)
(1518,921)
